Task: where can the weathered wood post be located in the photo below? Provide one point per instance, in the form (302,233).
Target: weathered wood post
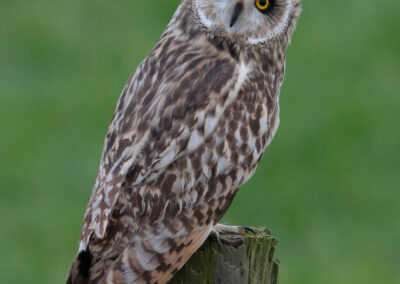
(248,263)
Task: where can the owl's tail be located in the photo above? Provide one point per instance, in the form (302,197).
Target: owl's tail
(79,271)
(153,261)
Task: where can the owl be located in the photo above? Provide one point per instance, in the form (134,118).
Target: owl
(189,129)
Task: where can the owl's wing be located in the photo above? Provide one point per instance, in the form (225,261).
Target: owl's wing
(170,105)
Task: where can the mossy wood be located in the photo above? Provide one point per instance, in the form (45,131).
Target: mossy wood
(250,262)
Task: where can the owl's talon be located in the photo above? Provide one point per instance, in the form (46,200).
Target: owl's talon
(225,229)
(249,229)
(217,237)
(233,235)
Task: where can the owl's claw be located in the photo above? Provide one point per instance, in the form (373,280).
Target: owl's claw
(225,229)
(231,233)
(249,229)
(217,237)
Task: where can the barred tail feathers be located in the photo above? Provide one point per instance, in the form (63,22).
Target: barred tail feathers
(153,261)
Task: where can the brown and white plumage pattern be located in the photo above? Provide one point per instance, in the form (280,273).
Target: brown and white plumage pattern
(189,129)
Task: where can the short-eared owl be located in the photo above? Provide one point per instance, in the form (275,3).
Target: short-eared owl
(189,129)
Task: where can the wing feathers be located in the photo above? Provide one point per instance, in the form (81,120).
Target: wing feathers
(141,263)
(168,109)
(190,107)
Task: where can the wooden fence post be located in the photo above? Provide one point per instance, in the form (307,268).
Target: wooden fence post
(249,263)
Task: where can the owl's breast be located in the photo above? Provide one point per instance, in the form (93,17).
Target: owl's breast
(246,129)
(230,155)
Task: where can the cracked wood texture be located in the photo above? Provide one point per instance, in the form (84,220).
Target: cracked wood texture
(249,263)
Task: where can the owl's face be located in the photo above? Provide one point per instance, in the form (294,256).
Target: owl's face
(251,21)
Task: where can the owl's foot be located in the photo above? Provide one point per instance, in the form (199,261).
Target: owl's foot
(225,229)
(233,234)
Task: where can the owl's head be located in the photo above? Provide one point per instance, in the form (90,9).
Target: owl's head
(252,22)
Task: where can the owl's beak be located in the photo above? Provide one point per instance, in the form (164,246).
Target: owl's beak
(236,13)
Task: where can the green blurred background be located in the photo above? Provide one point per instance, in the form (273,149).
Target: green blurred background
(328,186)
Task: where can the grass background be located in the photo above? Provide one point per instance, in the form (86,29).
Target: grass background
(328,186)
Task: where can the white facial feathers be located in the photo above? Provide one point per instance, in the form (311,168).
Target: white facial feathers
(251,26)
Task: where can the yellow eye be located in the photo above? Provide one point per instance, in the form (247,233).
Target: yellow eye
(262,5)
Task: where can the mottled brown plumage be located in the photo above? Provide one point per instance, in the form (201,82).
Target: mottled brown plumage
(189,129)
